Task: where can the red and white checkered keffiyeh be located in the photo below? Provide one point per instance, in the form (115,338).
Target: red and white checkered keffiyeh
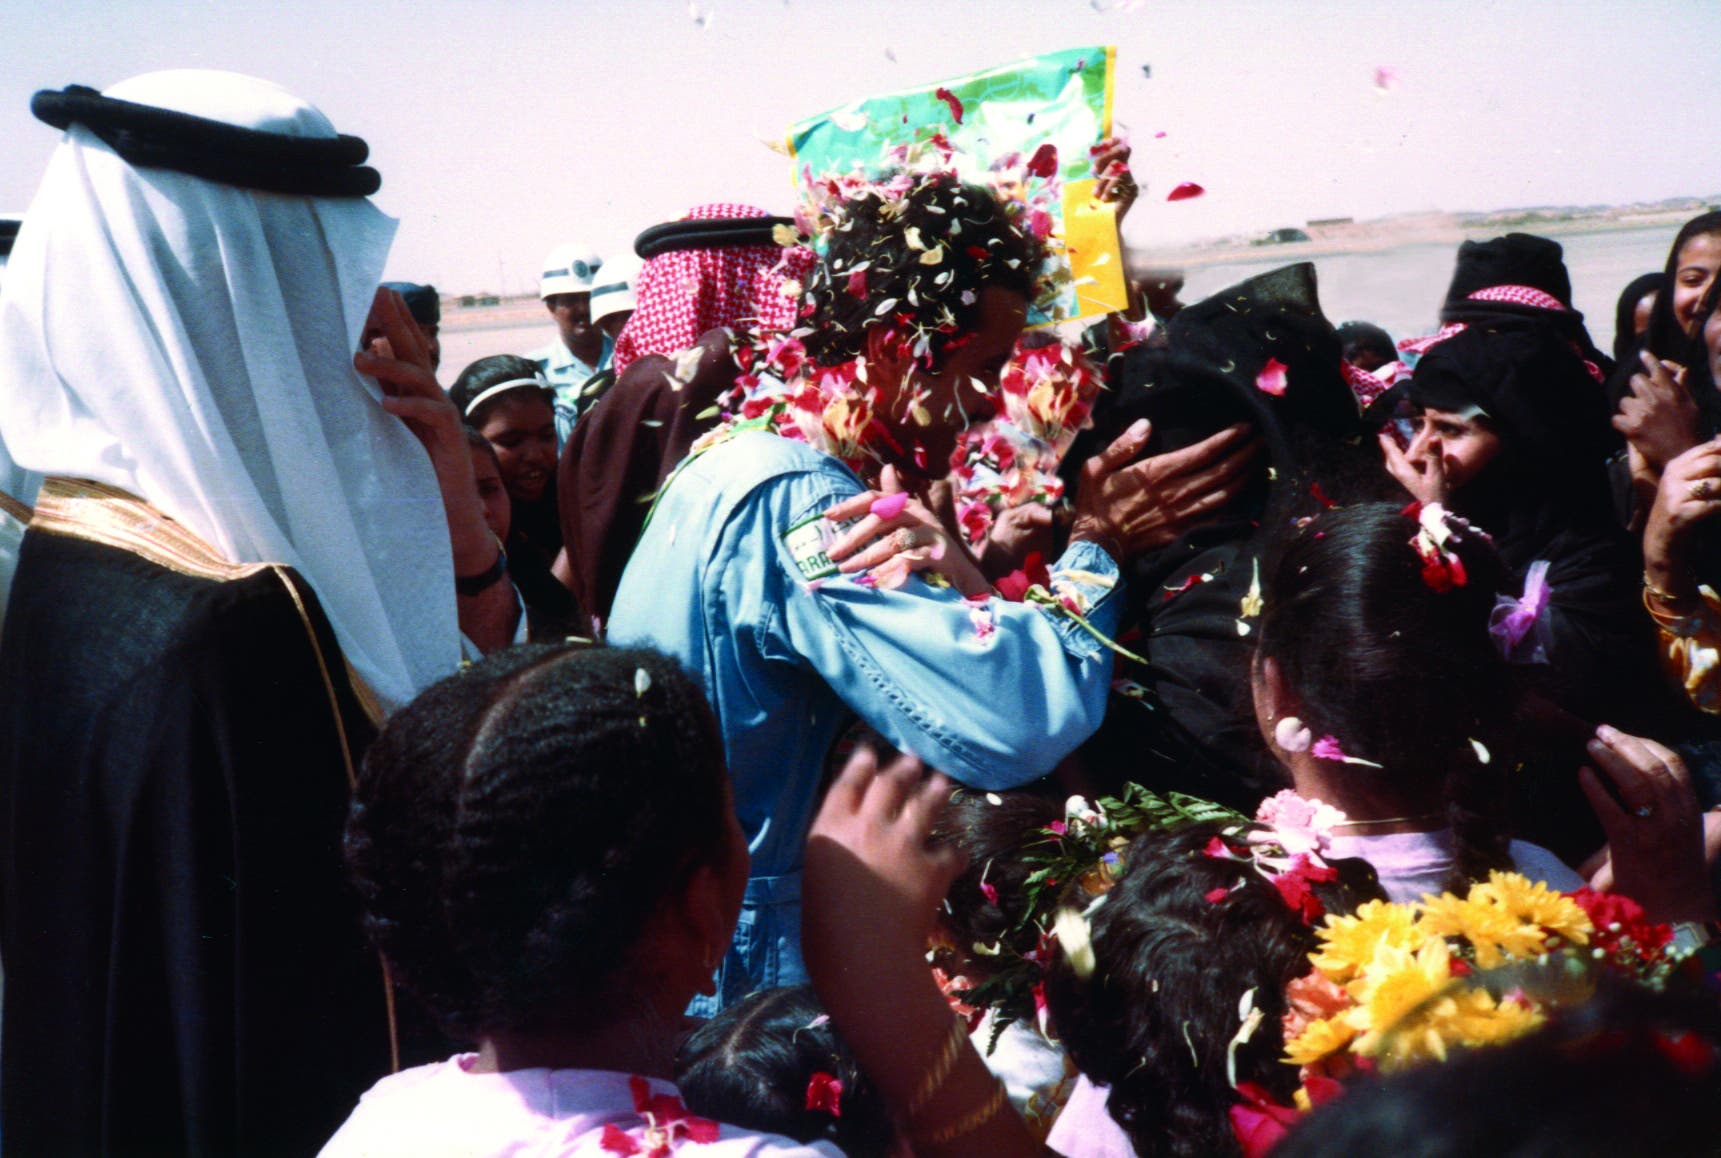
(683,293)
(1520,295)
(1517,295)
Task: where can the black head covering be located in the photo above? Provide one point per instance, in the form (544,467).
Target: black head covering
(1625,339)
(1664,338)
(422,301)
(1274,315)
(1370,337)
(1186,721)
(1515,259)
(1518,259)
(1552,419)
(147,137)
(8,233)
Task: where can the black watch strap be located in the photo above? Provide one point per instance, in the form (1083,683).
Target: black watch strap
(484,580)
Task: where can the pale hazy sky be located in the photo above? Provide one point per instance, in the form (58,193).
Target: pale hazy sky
(501,129)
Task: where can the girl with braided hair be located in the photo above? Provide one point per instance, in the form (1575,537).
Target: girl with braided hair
(549,861)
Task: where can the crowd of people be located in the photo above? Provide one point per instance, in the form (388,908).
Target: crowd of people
(801,711)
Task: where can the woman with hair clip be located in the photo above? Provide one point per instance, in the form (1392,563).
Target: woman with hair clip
(506,399)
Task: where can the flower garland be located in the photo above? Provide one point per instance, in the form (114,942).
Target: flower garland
(1047,391)
(1285,843)
(1395,985)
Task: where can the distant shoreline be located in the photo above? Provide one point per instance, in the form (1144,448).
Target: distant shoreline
(1379,236)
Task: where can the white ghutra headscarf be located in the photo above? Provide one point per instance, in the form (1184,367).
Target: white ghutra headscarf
(192,342)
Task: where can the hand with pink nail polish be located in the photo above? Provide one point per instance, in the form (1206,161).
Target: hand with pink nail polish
(897,535)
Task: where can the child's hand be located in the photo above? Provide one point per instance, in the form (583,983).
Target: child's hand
(871,875)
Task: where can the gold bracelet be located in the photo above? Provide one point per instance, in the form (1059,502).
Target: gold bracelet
(971,1121)
(1664,619)
(941,1068)
(1651,589)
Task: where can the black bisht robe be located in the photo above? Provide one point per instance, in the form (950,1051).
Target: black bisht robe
(184,969)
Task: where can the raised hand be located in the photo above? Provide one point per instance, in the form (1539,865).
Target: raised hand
(1655,839)
(1130,506)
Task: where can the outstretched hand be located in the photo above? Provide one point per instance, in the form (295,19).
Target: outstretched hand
(871,875)
(1113,181)
(1659,416)
(1131,506)
(1655,841)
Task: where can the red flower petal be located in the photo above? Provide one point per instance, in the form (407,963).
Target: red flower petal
(990,891)
(1044,162)
(616,1142)
(857,283)
(1271,379)
(702,1130)
(1185,191)
(949,98)
(825,1093)
(1687,1051)
(641,1091)
(1214,896)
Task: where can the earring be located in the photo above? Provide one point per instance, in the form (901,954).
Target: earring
(1292,735)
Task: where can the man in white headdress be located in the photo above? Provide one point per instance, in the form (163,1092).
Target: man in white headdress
(240,556)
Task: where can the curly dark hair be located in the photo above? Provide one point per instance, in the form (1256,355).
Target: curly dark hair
(993,837)
(479,376)
(1401,674)
(870,248)
(751,1066)
(516,825)
(1156,1018)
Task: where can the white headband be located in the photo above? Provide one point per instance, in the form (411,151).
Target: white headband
(485,395)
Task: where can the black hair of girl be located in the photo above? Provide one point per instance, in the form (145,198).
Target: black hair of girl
(1399,673)
(1665,338)
(983,245)
(516,825)
(1155,1019)
(993,837)
(476,441)
(752,1064)
(1368,336)
(479,376)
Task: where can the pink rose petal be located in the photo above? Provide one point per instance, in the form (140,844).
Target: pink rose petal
(1271,379)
